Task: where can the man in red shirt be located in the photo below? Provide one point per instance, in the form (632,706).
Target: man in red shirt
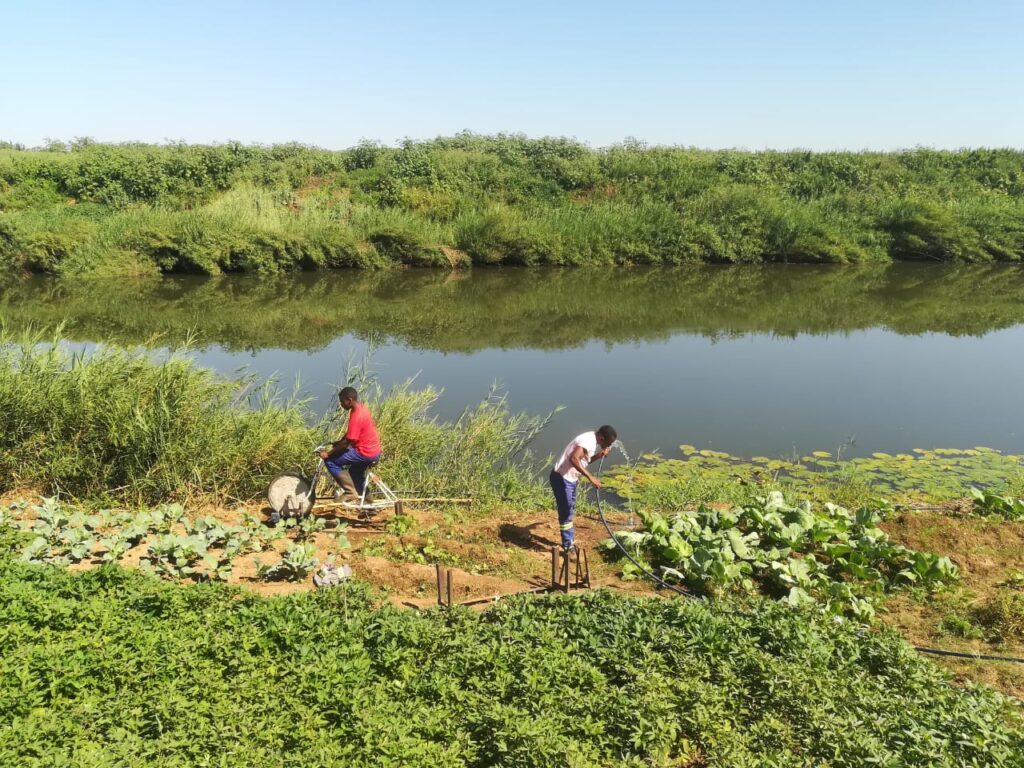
(350,457)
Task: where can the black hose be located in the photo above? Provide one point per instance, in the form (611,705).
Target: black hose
(973,656)
(647,573)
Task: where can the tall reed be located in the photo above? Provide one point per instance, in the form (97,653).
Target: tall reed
(128,424)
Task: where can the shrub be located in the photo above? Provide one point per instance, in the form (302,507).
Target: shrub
(506,199)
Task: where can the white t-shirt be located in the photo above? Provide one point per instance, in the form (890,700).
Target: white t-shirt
(564,465)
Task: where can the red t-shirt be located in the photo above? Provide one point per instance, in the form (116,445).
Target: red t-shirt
(362,432)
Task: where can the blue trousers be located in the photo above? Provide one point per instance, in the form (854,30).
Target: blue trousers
(356,463)
(565,500)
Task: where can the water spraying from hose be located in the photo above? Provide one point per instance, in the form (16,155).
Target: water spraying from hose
(600,511)
(629,480)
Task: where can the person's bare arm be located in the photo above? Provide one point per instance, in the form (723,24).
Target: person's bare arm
(576,459)
(337,448)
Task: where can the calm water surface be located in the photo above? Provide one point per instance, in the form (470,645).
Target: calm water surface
(759,361)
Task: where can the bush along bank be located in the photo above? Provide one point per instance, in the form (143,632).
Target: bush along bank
(468,199)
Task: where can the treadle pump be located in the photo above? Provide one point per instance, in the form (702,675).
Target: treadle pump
(570,569)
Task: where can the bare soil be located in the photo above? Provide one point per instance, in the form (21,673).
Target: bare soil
(987,551)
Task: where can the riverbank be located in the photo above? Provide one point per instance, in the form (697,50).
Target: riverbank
(137,209)
(194,436)
(497,553)
(153,426)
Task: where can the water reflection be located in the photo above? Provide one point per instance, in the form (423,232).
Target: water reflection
(526,308)
(759,361)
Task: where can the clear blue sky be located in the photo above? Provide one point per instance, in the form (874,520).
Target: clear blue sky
(824,74)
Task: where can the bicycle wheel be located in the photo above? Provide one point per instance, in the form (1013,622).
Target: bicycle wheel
(289,494)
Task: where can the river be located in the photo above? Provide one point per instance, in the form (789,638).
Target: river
(765,360)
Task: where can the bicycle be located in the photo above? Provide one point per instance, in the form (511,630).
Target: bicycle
(292,494)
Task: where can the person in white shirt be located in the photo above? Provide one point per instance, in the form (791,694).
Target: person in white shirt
(567,470)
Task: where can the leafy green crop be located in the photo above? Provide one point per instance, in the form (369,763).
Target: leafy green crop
(298,561)
(111,668)
(399,525)
(62,536)
(306,526)
(185,557)
(989,504)
(797,553)
(180,547)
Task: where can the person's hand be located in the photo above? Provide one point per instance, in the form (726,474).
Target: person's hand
(603,452)
(324,454)
(596,483)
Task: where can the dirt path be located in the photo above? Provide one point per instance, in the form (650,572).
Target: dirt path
(488,557)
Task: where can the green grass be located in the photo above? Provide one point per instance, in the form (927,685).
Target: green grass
(111,668)
(119,422)
(1001,615)
(125,424)
(128,209)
